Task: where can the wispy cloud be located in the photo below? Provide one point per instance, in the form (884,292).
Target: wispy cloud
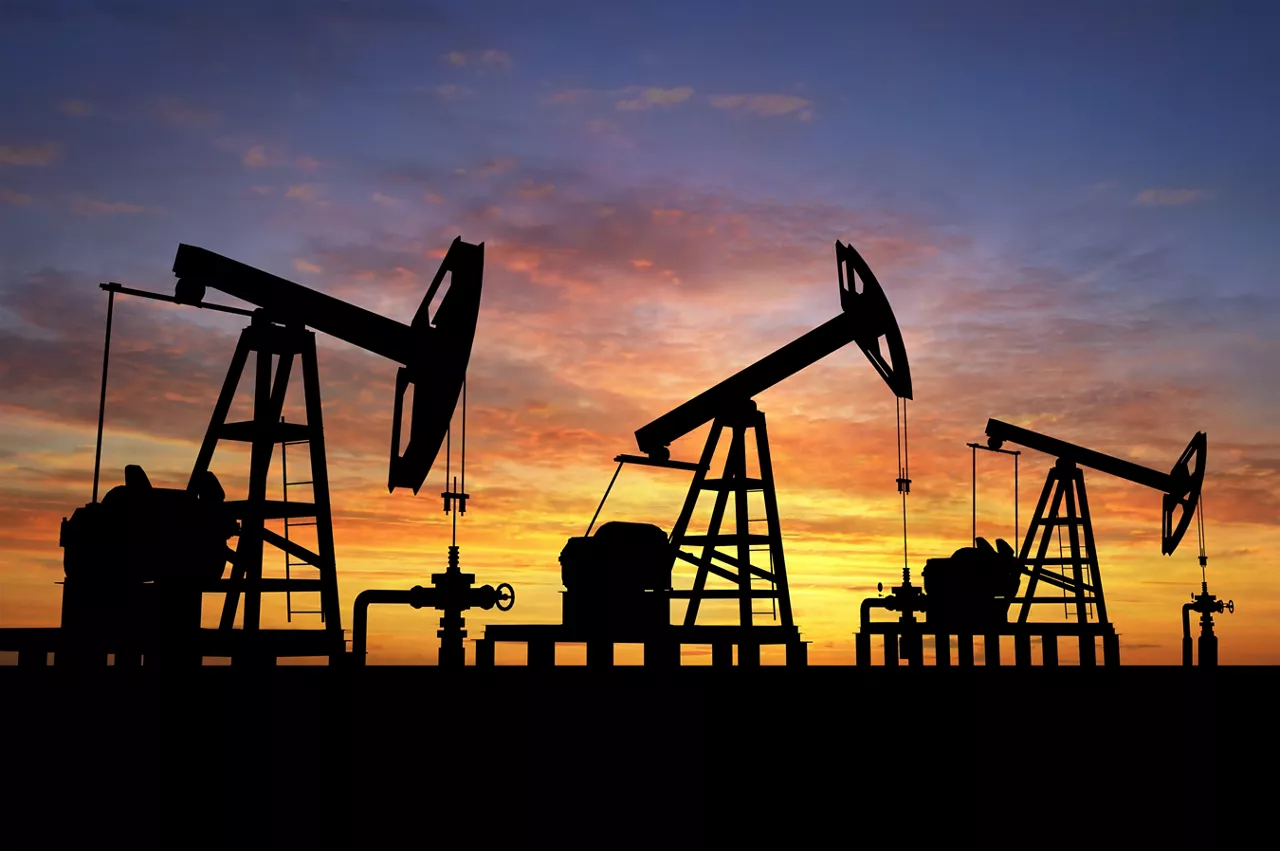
(8,196)
(451,91)
(180,114)
(531,190)
(76,108)
(308,192)
(568,96)
(490,58)
(255,157)
(499,165)
(765,104)
(42,154)
(1169,197)
(92,207)
(651,97)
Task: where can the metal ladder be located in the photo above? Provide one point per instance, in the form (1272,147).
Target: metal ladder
(289,523)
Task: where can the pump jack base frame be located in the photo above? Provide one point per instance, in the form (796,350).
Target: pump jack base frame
(257,647)
(661,646)
(906,642)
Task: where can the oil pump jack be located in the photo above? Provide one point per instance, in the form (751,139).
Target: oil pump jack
(139,562)
(971,592)
(618,582)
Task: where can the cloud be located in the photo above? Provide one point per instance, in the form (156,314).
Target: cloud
(255,157)
(42,154)
(451,91)
(176,112)
(90,207)
(765,104)
(1169,197)
(489,58)
(500,165)
(568,96)
(651,97)
(308,192)
(531,190)
(305,266)
(76,108)
(8,196)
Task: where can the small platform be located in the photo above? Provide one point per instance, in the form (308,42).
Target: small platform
(661,646)
(906,641)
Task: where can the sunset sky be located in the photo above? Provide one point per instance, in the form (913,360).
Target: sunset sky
(1073,212)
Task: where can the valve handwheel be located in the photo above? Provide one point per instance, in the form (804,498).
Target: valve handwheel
(507,595)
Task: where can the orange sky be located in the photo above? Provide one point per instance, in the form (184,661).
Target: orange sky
(557,390)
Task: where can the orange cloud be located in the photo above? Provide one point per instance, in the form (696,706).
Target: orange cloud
(309,192)
(1169,197)
(255,157)
(8,196)
(652,97)
(765,104)
(42,154)
(91,207)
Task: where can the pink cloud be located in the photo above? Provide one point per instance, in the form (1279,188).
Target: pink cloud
(651,97)
(308,192)
(765,104)
(255,157)
(1169,197)
(91,207)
